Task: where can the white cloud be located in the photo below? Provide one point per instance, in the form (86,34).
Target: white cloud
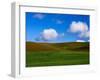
(38,16)
(80,41)
(49,34)
(80,27)
(84,34)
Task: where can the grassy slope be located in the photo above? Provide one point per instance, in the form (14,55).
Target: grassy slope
(50,54)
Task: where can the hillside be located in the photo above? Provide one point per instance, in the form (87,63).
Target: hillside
(52,54)
(77,46)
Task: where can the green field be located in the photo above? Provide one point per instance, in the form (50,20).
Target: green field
(52,54)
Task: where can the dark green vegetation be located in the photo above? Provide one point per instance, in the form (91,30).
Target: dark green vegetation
(52,54)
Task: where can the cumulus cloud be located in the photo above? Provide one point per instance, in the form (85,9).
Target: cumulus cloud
(49,34)
(80,41)
(39,16)
(79,27)
(84,34)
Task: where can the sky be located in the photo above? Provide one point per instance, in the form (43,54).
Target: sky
(57,28)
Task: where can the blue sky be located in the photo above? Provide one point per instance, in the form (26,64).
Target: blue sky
(54,28)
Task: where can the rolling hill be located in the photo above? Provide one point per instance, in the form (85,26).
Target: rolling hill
(77,46)
(55,54)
